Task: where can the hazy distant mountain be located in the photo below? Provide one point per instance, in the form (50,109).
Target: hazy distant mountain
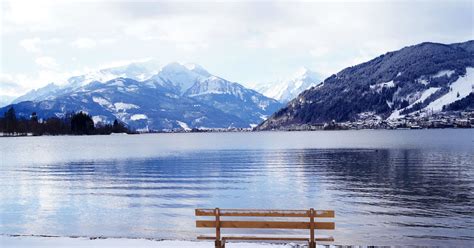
(285,90)
(48,91)
(416,80)
(5,100)
(153,98)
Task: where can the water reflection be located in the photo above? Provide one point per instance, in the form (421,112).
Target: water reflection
(381,196)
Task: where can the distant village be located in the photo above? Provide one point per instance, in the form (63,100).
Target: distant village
(452,119)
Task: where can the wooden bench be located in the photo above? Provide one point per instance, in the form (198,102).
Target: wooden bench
(219,224)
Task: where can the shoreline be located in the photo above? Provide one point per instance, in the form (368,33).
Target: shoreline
(19,241)
(253,131)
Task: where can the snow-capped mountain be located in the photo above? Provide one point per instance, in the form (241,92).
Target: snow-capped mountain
(176,96)
(233,98)
(47,91)
(285,90)
(415,81)
(180,77)
(137,71)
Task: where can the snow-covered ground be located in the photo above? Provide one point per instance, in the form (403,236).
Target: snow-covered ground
(55,242)
(459,89)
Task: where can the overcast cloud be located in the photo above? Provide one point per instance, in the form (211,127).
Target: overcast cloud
(48,41)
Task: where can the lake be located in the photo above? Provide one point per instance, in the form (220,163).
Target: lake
(388,187)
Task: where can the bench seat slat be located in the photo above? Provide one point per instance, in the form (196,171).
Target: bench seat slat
(328,239)
(265,213)
(266,224)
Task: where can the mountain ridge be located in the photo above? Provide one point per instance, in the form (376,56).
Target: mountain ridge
(391,82)
(161,101)
(286,89)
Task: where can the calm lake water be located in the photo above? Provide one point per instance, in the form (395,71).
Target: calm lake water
(402,187)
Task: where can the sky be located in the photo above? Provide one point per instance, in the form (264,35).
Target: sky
(44,41)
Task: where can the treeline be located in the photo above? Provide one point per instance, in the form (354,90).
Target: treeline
(73,123)
(466,104)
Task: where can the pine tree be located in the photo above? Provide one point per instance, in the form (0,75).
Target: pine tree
(82,123)
(11,124)
(118,127)
(33,124)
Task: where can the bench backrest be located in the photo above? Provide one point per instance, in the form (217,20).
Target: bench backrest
(310,224)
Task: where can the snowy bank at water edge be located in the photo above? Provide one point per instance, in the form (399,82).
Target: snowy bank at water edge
(55,242)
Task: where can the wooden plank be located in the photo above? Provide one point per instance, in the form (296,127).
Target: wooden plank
(266,213)
(218,225)
(206,237)
(311,226)
(328,239)
(254,238)
(265,224)
(266,238)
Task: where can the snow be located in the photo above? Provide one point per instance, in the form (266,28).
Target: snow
(150,84)
(287,89)
(172,95)
(262,104)
(422,81)
(102,101)
(136,117)
(424,95)
(197,69)
(132,88)
(463,86)
(179,75)
(209,92)
(97,118)
(443,73)
(427,93)
(117,82)
(143,130)
(124,106)
(55,242)
(46,105)
(184,126)
(378,87)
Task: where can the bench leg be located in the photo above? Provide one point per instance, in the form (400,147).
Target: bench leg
(312,244)
(219,243)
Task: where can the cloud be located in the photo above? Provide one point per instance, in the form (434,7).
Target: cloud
(107,41)
(9,85)
(242,41)
(47,62)
(31,45)
(319,51)
(35,45)
(18,84)
(84,43)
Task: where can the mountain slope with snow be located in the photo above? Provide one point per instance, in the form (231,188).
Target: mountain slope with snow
(285,90)
(233,98)
(177,96)
(415,81)
(137,71)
